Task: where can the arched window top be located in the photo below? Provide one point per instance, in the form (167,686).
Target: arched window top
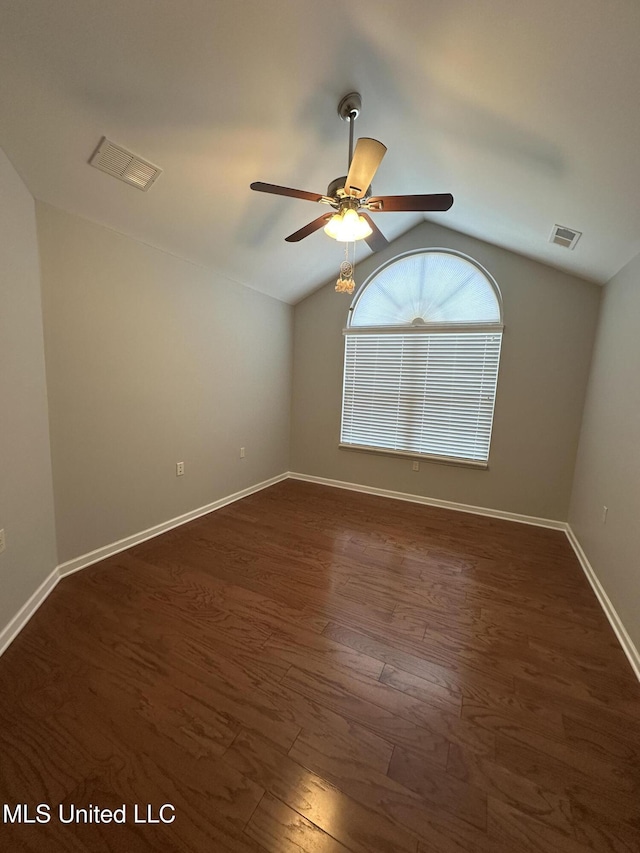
(428,287)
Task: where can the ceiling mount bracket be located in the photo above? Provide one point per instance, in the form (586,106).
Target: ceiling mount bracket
(350,106)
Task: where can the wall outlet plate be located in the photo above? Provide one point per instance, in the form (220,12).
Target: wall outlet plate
(2,541)
(179,469)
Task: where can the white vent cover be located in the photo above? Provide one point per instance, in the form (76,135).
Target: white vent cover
(566,237)
(120,163)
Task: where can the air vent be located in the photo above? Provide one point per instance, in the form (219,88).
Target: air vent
(120,163)
(566,237)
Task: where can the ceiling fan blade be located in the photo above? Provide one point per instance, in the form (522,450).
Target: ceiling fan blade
(366,159)
(395,203)
(376,241)
(261,187)
(309,229)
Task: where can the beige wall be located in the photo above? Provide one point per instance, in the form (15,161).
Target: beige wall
(550,319)
(152,360)
(608,464)
(26,497)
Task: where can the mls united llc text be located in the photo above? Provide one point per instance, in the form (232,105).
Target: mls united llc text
(69,813)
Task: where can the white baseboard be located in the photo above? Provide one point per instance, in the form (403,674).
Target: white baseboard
(420,499)
(11,631)
(610,612)
(85,560)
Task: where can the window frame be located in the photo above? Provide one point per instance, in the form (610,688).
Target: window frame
(424,329)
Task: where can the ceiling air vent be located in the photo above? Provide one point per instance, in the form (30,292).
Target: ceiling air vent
(120,163)
(566,237)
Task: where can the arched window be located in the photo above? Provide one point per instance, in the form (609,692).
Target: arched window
(422,352)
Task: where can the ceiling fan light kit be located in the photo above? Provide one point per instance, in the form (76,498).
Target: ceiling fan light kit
(348,226)
(351,197)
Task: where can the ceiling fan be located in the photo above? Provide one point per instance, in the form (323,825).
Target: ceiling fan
(350,196)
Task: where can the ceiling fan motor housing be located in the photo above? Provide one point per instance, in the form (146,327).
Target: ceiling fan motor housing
(336,189)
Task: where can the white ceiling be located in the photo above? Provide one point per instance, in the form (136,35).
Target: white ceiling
(526,111)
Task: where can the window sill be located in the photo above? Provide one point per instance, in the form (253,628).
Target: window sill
(441,460)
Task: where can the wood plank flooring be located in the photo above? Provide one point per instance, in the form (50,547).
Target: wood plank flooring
(316,670)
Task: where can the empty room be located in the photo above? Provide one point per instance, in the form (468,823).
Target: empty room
(319,426)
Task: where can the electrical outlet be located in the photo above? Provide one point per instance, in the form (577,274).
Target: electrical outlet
(416,465)
(242,453)
(2,542)
(179,469)
(605,510)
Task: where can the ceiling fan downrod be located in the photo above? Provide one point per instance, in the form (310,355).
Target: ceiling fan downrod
(349,110)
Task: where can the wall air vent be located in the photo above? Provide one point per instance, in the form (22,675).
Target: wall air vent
(117,161)
(566,237)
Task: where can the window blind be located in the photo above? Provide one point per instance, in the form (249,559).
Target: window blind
(423,393)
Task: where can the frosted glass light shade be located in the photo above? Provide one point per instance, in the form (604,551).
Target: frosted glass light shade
(347,227)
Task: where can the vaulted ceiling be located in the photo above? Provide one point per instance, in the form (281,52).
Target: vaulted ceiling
(526,111)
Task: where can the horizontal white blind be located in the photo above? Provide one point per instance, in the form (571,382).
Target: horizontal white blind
(430,394)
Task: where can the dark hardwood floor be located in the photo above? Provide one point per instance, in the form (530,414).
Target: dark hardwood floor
(311,669)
